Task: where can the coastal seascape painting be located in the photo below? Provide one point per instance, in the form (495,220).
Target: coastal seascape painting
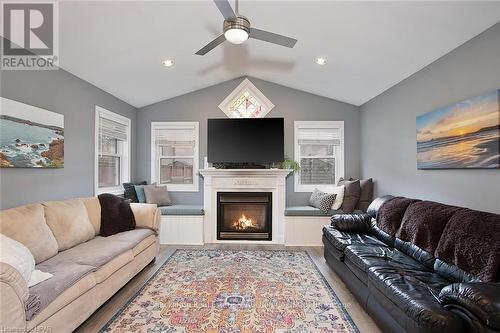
(461,136)
(30,137)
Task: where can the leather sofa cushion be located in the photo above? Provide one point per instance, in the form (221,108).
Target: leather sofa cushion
(382,235)
(341,239)
(364,256)
(26,224)
(358,223)
(482,299)
(69,222)
(452,272)
(416,291)
(329,249)
(415,252)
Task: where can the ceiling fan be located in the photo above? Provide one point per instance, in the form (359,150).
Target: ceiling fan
(237,30)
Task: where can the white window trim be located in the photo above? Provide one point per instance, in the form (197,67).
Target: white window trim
(154,167)
(125,163)
(341,164)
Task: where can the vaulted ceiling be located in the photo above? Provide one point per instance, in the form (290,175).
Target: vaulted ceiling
(370,46)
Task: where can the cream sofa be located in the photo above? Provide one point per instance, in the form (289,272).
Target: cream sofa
(87,269)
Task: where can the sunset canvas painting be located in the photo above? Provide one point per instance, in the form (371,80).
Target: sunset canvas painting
(462,135)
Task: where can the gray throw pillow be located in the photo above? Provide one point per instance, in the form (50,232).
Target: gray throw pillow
(366,196)
(322,200)
(315,198)
(352,192)
(157,195)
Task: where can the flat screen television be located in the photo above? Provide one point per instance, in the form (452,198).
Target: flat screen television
(252,140)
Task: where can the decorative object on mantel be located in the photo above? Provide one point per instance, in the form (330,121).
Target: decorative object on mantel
(465,135)
(30,137)
(246,101)
(289,163)
(235,291)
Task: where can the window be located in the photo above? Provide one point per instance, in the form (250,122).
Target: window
(174,155)
(246,101)
(319,148)
(112,147)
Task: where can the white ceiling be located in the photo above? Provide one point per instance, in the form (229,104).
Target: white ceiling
(370,46)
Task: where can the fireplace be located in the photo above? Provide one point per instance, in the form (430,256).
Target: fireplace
(244,215)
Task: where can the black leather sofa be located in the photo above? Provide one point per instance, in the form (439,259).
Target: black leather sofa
(406,288)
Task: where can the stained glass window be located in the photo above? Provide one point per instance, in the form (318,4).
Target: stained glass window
(246,101)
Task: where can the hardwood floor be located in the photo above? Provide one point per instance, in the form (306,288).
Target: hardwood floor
(107,310)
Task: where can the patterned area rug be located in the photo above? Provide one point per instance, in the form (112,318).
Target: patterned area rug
(234,292)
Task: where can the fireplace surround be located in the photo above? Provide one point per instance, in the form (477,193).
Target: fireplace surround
(244,216)
(244,180)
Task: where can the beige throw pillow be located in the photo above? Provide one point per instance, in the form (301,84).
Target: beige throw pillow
(157,195)
(26,224)
(69,222)
(339,198)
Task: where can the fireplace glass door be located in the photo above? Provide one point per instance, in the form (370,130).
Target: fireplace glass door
(244,215)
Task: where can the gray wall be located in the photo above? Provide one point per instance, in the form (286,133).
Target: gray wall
(61,92)
(389,131)
(289,103)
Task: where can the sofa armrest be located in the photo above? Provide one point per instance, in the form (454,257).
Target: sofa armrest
(479,298)
(359,223)
(146,216)
(14,294)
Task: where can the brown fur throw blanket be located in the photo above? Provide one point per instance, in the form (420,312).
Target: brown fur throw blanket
(391,214)
(471,242)
(424,222)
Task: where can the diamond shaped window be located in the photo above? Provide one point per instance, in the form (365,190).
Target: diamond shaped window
(246,101)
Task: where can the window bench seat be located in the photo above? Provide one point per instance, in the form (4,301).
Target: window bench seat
(182,210)
(304,225)
(313,211)
(182,225)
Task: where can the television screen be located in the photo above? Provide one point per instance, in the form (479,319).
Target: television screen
(253,140)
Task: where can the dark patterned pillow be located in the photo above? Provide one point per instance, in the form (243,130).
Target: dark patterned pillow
(129,192)
(326,202)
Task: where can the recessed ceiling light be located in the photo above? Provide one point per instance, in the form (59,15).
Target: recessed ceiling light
(168,63)
(320,61)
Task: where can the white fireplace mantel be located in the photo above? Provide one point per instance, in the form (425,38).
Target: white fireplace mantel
(244,180)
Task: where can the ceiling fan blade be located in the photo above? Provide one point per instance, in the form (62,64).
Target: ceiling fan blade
(271,37)
(225,9)
(207,48)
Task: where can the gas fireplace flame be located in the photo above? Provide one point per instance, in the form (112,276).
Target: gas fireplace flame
(244,222)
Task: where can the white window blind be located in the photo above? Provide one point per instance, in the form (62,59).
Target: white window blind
(112,150)
(175,155)
(319,150)
(112,129)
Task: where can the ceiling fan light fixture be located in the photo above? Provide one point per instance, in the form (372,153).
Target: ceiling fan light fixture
(236,36)
(237,31)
